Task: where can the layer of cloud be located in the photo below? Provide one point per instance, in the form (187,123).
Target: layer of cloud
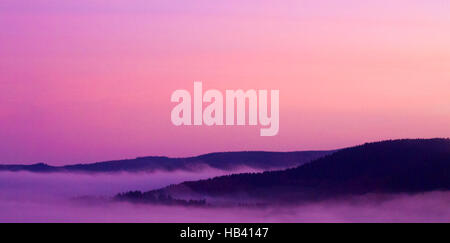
(28,197)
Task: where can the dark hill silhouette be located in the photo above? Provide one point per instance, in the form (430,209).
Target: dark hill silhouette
(399,166)
(228,161)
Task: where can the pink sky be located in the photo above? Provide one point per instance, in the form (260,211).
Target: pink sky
(90,80)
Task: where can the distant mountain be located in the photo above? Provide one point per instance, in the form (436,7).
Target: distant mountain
(228,161)
(399,166)
(40,167)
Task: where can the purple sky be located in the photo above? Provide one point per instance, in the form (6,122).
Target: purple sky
(90,80)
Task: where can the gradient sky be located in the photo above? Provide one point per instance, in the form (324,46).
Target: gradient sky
(90,80)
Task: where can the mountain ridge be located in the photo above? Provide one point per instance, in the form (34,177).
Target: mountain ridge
(392,166)
(228,161)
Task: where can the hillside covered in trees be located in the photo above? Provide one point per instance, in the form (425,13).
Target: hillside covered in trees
(228,161)
(396,166)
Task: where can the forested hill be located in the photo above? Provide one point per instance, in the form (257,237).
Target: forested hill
(397,166)
(228,161)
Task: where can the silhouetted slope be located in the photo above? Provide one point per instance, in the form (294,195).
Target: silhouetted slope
(228,161)
(408,166)
(40,167)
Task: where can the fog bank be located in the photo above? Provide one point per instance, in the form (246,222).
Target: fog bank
(28,197)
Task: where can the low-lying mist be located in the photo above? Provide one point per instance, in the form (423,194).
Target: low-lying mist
(17,185)
(30,197)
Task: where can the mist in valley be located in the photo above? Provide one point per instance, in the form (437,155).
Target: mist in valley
(51,197)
